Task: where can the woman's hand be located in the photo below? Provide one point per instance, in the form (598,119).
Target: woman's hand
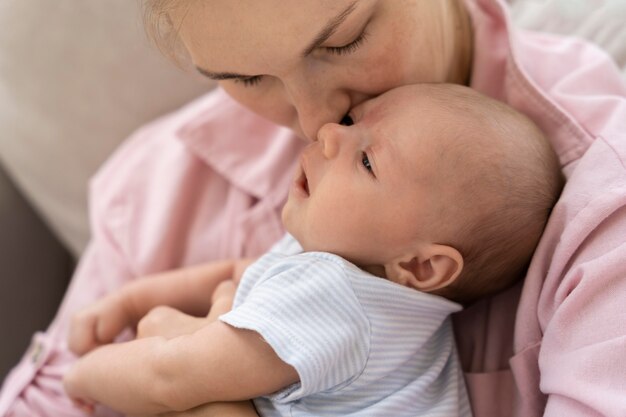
(99,324)
(183,289)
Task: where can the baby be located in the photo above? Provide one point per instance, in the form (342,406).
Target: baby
(431,197)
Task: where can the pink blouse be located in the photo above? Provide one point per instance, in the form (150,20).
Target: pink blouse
(208,182)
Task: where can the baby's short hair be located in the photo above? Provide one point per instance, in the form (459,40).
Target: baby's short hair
(506,179)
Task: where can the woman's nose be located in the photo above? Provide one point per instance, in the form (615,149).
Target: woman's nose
(346,120)
(329,137)
(311,120)
(316,105)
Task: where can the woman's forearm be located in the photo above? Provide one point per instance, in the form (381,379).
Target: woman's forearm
(188,290)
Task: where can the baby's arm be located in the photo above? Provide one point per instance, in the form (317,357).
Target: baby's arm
(232,409)
(170,321)
(155,375)
(188,290)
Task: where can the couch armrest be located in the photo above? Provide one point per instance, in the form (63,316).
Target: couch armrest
(34,272)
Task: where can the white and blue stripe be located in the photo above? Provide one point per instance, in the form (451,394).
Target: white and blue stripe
(362,345)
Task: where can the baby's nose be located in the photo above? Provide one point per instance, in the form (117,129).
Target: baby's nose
(329,137)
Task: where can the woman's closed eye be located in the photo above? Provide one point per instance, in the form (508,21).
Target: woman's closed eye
(348,48)
(333,50)
(249,81)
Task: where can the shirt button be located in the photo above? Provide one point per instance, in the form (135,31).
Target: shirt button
(36,351)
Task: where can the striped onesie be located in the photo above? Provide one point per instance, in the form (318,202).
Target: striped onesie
(362,345)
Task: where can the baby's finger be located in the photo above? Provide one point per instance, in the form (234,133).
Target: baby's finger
(240,268)
(221,306)
(224,289)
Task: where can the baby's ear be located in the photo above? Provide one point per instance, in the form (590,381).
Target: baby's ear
(431,268)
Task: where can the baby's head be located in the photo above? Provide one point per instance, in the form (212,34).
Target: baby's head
(434,186)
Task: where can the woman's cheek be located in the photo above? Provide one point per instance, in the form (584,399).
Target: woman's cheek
(411,49)
(389,61)
(242,94)
(263,100)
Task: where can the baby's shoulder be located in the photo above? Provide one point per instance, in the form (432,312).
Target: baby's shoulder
(307,263)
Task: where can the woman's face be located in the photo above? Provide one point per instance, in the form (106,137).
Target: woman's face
(304,63)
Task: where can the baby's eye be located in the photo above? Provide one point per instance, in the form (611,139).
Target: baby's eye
(366,163)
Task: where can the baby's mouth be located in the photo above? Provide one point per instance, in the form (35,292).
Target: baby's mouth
(302,181)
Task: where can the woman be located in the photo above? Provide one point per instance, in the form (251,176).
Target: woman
(207,182)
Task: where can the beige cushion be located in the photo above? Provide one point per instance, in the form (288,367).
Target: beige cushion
(76,77)
(600,21)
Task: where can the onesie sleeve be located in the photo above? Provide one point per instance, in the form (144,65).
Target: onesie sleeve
(306,310)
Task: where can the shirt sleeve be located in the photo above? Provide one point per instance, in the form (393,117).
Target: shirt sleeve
(582,354)
(306,309)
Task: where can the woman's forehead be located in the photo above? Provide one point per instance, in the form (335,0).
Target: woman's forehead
(229,31)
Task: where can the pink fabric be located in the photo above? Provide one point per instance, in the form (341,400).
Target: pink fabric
(567,354)
(208,181)
(205,183)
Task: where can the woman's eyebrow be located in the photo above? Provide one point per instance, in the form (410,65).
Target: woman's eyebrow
(219,76)
(328,30)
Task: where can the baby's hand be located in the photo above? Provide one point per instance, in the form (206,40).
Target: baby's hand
(169,323)
(240,268)
(98,324)
(222,299)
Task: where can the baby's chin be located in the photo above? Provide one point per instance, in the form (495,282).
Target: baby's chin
(306,244)
(286,219)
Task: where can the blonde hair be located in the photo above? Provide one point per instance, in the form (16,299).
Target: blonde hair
(164,35)
(161,30)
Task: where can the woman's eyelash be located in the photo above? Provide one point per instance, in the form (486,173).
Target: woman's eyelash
(336,50)
(349,48)
(250,81)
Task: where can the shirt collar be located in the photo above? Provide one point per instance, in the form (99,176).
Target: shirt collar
(252,153)
(504,67)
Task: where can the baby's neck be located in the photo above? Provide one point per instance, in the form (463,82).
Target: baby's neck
(377,270)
